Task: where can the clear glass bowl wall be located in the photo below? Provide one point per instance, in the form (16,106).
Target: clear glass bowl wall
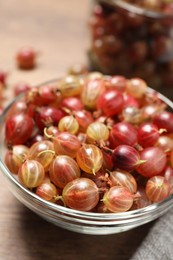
(78,221)
(128,40)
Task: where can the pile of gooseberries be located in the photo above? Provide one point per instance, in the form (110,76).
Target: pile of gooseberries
(133,38)
(92,142)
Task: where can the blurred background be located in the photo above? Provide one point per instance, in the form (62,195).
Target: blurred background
(55,29)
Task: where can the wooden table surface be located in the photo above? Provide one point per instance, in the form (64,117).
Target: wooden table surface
(57,29)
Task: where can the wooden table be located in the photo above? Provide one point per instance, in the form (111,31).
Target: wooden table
(57,29)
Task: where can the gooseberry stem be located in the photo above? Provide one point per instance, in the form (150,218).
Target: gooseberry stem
(60,198)
(93,172)
(162,130)
(46,133)
(49,151)
(140,162)
(106,149)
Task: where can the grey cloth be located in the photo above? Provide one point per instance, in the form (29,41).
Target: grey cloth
(158,243)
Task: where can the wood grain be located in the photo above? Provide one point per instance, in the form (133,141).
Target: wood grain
(57,29)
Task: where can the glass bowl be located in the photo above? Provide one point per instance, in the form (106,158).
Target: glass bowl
(121,30)
(74,220)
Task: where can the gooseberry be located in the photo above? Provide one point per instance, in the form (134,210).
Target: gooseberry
(123,178)
(123,133)
(84,119)
(15,157)
(70,85)
(66,143)
(154,161)
(43,152)
(81,194)
(72,103)
(136,87)
(46,116)
(68,124)
(63,169)
(47,191)
(148,134)
(97,131)
(44,95)
(118,199)
(26,58)
(18,129)
(90,92)
(111,102)
(126,157)
(157,188)
(164,120)
(31,174)
(89,158)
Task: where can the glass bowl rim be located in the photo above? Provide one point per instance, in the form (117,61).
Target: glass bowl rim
(68,211)
(138,10)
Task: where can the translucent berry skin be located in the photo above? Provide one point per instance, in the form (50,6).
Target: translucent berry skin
(70,85)
(18,129)
(15,157)
(168,175)
(110,102)
(122,133)
(117,82)
(125,157)
(118,199)
(43,152)
(164,120)
(150,110)
(11,162)
(136,87)
(132,115)
(97,131)
(31,174)
(18,107)
(81,194)
(165,142)
(157,189)
(66,143)
(47,191)
(84,118)
(46,116)
(68,124)
(89,158)
(63,169)
(130,101)
(72,103)
(123,178)
(91,90)
(142,200)
(44,95)
(155,161)
(148,134)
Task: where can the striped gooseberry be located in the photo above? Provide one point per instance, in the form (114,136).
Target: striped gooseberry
(31,173)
